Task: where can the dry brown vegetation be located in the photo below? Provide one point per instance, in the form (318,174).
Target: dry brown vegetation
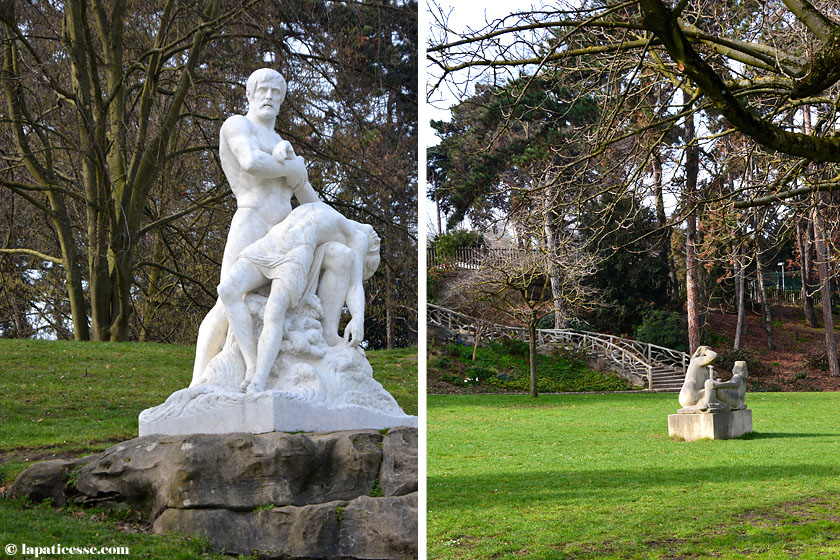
(798,361)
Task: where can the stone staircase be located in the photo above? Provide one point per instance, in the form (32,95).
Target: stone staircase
(667,379)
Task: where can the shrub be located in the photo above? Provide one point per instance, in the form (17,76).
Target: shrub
(547,322)
(663,328)
(510,346)
(496,368)
(451,378)
(564,379)
(576,323)
(447,243)
(716,340)
(579,324)
(479,373)
(434,283)
(460,351)
(569,353)
(726,360)
(817,360)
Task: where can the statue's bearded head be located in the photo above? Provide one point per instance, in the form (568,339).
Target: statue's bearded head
(265,90)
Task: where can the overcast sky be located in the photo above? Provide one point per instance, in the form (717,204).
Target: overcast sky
(462,16)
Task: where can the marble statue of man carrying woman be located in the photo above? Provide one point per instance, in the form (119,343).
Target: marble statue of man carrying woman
(268,354)
(264,174)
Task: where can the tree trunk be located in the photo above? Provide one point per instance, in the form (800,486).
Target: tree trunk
(389,308)
(692,285)
(72,268)
(44,174)
(767,318)
(803,240)
(550,230)
(825,289)
(662,224)
(478,330)
(117,178)
(532,352)
(122,275)
(154,297)
(741,326)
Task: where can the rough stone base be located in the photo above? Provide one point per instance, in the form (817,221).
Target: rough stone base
(706,425)
(364,528)
(200,411)
(350,494)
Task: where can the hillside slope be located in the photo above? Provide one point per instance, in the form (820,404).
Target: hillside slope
(798,361)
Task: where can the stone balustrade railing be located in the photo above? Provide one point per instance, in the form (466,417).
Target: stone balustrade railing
(636,358)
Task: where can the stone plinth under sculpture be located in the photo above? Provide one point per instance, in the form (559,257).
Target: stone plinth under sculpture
(712,408)
(723,424)
(280,495)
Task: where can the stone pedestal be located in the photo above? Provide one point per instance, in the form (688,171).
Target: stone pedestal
(217,410)
(350,494)
(710,425)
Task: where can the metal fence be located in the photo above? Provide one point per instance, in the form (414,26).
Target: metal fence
(470,258)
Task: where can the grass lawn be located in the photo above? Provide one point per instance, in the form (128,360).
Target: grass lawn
(69,399)
(596,476)
(504,367)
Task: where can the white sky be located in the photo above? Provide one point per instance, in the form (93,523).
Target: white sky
(463,15)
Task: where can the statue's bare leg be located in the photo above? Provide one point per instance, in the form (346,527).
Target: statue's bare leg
(211,338)
(333,287)
(243,278)
(246,226)
(271,338)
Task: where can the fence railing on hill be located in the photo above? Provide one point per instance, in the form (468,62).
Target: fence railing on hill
(470,258)
(638,359)
(794,297)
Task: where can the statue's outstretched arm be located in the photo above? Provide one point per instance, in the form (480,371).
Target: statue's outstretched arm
(354,332)
(727,384)
(304,192)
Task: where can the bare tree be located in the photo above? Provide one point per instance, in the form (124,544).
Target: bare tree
(125,88)
(744,70)
(110,134)
(517,286)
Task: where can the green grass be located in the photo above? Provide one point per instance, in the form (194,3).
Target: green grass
(397,371)
(505,368)
(596,476)
(69,396)
(76,398)
(43,526)
(66,395)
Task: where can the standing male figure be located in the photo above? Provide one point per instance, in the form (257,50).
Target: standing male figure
(263,180)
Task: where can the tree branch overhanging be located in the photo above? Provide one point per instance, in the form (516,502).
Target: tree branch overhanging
(661,21)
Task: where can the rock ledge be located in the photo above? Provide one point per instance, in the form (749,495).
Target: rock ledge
(348,494)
